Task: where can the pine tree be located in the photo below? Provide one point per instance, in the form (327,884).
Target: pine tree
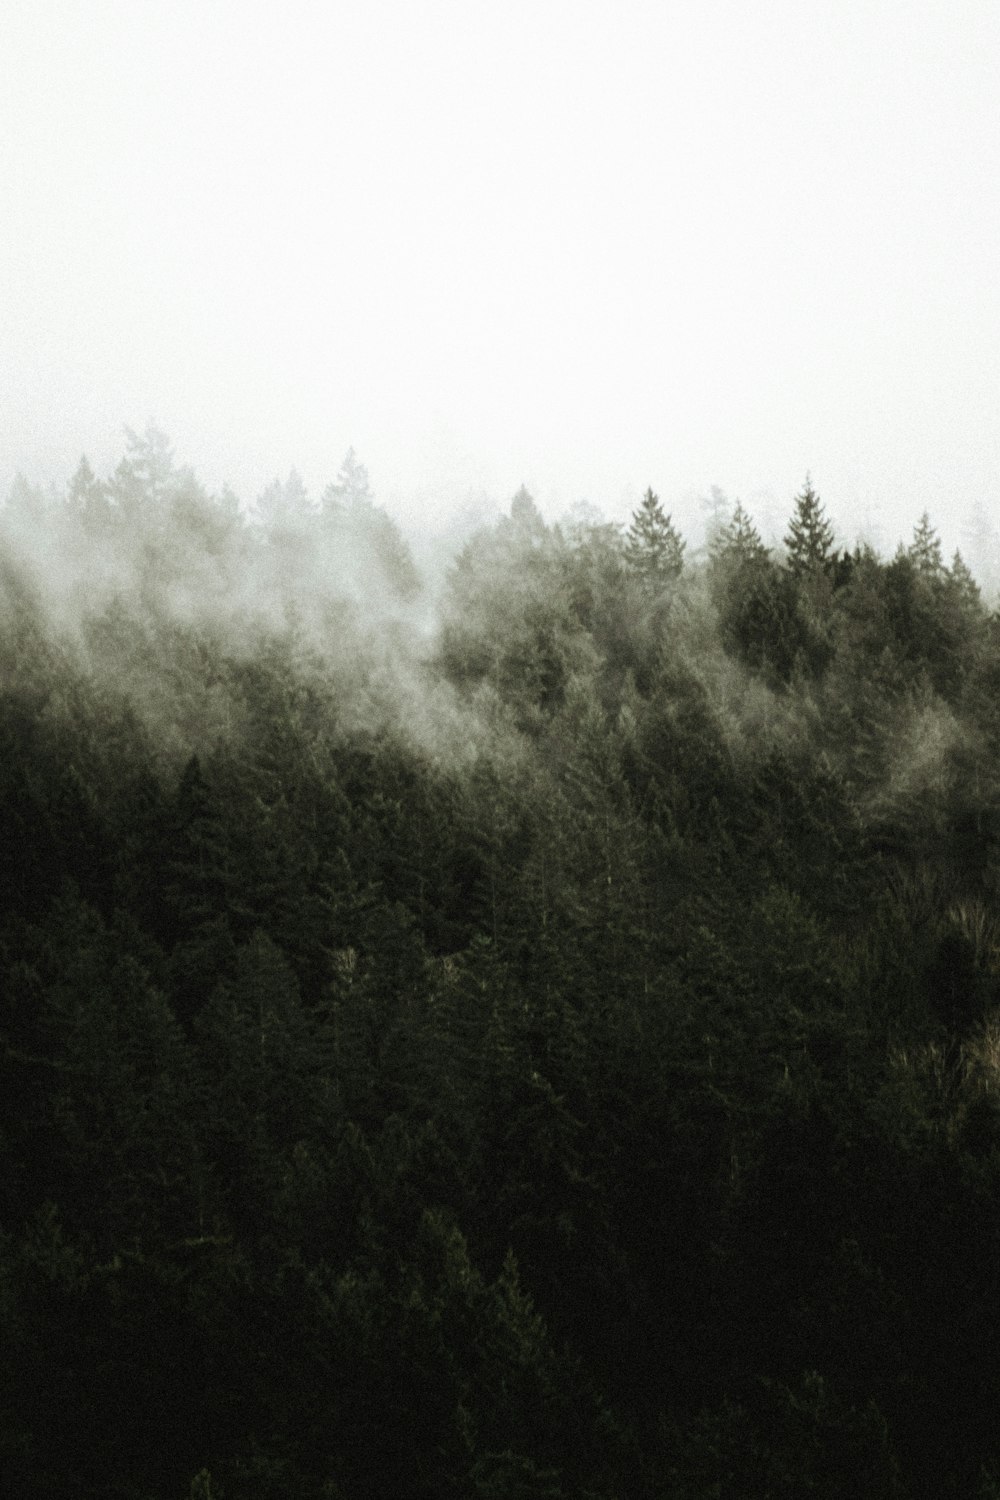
(85,489)
(925,550)
(526,522)
(365,548)
(653,549)
(963,586)
(144,475)
(810,535)
(351,487)
(738,540)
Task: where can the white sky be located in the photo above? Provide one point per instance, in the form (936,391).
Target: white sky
(591,245)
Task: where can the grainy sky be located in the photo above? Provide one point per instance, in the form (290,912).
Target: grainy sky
(591,245)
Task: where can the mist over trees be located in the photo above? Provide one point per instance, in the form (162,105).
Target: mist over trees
(535,1038)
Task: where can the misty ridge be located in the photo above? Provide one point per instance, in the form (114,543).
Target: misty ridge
(519,1023)
(143,577)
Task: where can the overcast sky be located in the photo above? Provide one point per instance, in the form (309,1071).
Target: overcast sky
(593,246)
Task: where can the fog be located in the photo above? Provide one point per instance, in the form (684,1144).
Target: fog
(584,248)
(580,250)
(503,634)
(388,943)
(499,954)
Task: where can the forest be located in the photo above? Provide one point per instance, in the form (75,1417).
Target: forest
(529,1035)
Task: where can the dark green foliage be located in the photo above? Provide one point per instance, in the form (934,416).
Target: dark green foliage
(925,550)
(565,1065)
(509,620)
(653,549)
(809,543)
(736,541)
(760,619)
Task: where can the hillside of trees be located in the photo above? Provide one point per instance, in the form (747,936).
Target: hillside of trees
(539,1041)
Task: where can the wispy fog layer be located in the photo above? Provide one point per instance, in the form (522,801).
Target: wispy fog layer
(520,1022)
(507,633)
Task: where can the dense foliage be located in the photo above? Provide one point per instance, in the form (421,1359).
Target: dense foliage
(541,1042)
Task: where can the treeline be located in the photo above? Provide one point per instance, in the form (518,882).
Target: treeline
(552,1054)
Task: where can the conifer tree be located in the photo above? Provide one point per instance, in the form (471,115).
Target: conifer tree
(963,586)
(653,548)
(526,521)
(810,535)
(369,545)
(351,487)
(86,494)
(150,458)
(739,539)
(925,550)
(144,475)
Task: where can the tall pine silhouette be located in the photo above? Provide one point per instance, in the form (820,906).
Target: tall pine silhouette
(654,550)
(809,542)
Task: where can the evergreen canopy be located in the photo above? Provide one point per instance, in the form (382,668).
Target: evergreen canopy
(654,549)
(809,543)
(553,1059)
(738,538)
(925,550)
